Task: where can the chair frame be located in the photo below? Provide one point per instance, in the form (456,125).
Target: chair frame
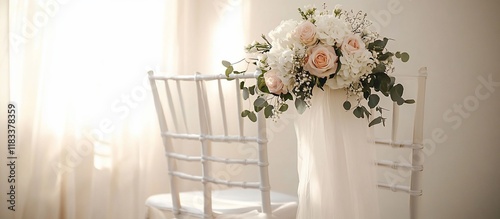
(416,146)
(205,137)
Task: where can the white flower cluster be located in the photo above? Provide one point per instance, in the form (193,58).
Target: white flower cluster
(325,45)
(331,48)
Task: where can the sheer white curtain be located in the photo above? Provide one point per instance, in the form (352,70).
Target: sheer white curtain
(87,138)
(87,143)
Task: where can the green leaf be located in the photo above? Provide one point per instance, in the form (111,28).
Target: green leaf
(375,121)
(347,105)
(373,100)
(396,93)
(379,68)
(260,102)
(261,84)
(252,117)
(378,45)
(268,111)
(245,113)
(244,92)
(322,81)
(242,84)
(405,57)
(367,113)
(366,92)
(398,55)
(358,112)
(300,105)
(226,63)
(251,89)
(410,101)
(287,96)
(283,107)
(385,56)
(229,70)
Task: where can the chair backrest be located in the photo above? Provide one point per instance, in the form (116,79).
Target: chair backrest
(410,167)
(178,103)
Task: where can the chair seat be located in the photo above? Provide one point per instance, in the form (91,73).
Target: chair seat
(224,202)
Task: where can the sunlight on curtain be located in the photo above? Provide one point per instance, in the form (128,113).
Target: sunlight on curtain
(228,34)
(86,120)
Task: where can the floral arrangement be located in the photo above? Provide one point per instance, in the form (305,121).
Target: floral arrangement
(333,48)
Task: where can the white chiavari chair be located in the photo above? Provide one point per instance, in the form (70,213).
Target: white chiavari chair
(180,100)
(407,160)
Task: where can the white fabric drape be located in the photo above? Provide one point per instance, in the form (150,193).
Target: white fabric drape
(337,177)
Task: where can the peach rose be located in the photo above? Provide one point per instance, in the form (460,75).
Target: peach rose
(306,32)
(352,44)
(321,61)
(274,83)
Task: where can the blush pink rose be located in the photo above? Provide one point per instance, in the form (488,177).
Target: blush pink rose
(274,83)
(352,44)
(321,61)
(306,32)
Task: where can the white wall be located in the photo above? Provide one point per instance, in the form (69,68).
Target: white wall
(457,41)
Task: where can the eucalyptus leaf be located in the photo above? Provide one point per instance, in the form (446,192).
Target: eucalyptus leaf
(379,68)
(283,107)
(300,105)
(258,108)
(245,113)
(251,89)
(385,56)
(367,113)
(373,100)
(358,112)
(268,111)
(261,84)
(399,88)
(366,93)
(375,121)
(226,63)
(244,93)
(347,105)
(405,57)
(242,84)
(252,117)
(398,54)
(410,101)
(287,96)
(229,70)
(397,93)
(260,102)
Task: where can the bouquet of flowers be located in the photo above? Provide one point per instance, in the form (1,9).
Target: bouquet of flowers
(333,48)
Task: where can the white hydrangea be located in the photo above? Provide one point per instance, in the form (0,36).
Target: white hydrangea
(331,30)
(281,59)
(353,67)
(281,36)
